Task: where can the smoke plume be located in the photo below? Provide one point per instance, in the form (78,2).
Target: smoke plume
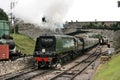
(33,11)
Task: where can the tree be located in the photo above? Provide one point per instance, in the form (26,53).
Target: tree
(3,15)
(91,25)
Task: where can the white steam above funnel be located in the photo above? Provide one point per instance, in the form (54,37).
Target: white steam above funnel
(33,11)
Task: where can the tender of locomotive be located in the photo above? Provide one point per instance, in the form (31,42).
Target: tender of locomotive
(50,50)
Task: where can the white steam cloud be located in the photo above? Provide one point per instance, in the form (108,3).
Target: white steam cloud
(32,11)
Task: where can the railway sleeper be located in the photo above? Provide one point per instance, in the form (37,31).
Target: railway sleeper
(87,61)
(69,73)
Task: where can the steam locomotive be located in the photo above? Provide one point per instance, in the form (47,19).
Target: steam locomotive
(54,49)
(7,44)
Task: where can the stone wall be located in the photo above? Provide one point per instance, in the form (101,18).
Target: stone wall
(107,33)
(34,32)
(116,38)
(19,64)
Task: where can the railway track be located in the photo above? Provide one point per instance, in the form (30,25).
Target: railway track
(15,74)
(77,69)
(28,76)
(24,75)
(72,72)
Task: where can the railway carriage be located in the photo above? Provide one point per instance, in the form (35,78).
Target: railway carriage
(90,43)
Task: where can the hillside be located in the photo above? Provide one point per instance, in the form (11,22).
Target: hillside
(110,70)
(24,43)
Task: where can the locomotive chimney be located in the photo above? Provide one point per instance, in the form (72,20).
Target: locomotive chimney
(43,19)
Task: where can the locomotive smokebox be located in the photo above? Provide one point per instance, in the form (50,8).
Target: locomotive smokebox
(43,19)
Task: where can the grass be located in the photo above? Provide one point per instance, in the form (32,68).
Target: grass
(110,70)
(24,43)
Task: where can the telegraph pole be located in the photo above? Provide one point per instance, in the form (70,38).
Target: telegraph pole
(12,17)
(118,4)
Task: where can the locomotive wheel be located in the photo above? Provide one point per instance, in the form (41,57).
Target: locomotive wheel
(39,65)
(68,57)
(46,65)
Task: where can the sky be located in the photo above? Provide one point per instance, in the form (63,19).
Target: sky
(80,10)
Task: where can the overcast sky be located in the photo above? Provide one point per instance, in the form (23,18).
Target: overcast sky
(84,10)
